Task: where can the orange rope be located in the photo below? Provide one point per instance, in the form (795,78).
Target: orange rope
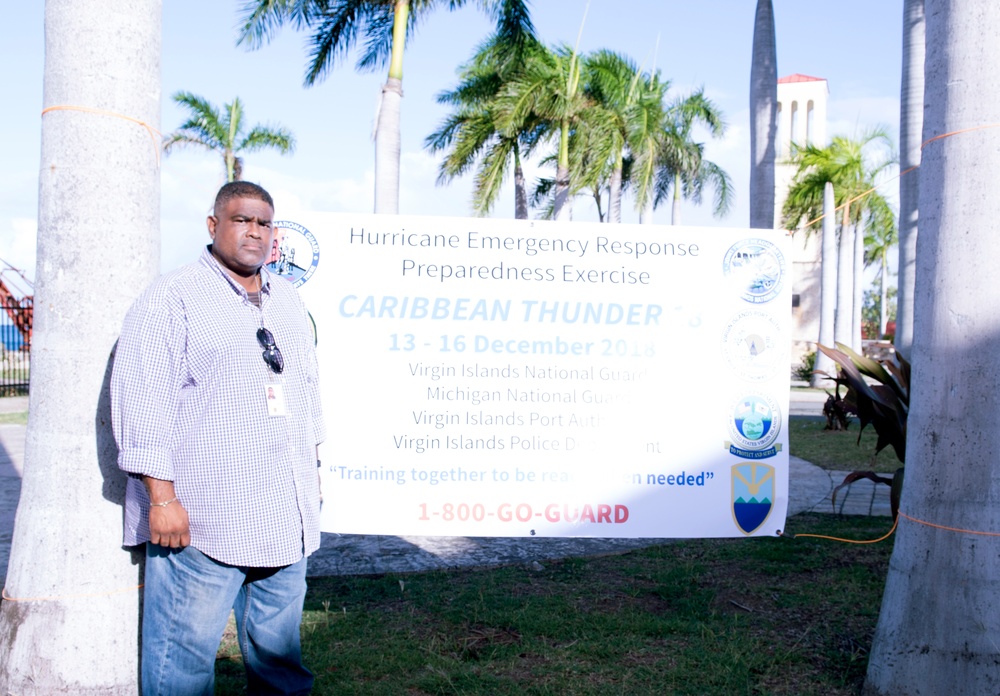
(948,529)
(153,133)
(8,598)
(846,541)
(894,525)
(957,132)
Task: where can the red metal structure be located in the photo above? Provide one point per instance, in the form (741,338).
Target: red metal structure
(20,311)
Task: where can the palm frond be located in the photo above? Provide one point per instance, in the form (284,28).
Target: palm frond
(514,28)
(379,24)
(268,137)
(261,19)
(852,165)
(491,175)
(204,125)
(336,30)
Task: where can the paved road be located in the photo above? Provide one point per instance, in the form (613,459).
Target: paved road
(809,490)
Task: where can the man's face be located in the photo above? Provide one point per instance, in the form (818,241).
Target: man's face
(241,232)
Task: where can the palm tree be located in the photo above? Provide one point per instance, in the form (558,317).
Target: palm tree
(385,26)
(911,118)
(936,630)
(852,166)
(857,285)
(828,287)
(590,166)
(99,189)
(629,115)
(881,238)
(547,91)
(472,134)
(763,117)
(683,171)
(224,133)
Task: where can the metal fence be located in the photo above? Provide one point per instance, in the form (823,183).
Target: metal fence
(15,347)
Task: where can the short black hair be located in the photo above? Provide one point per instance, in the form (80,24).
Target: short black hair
(242,189)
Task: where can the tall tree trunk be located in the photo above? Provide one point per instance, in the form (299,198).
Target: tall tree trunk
(230,159)
(911,117)
(675,205)
(857,285)
(646,212)
(600,209)
(387,138)
(843,324)
(99,190)
(387,148)
(520,193)
(883,308)
(615,195)
(828,285)
(763,117)
(937,631)
(561,211)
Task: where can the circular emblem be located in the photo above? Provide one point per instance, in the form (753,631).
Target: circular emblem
(754,424)
(757,268)
(750,344)
(294,252)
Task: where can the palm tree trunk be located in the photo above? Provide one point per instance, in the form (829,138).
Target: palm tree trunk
(234,169)
(883,310)
(520,193)
(936,632)
(81,635)
(763,117)
(857,285)
(600,208)
(843,325)
(828,285)
(230,159)
(615,195)
(675,206)
(911,118)
(387,138)
(561,210)
(646,212)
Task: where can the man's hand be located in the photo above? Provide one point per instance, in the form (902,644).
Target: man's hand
(168,524)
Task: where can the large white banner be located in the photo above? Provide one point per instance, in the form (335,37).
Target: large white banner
(513,378)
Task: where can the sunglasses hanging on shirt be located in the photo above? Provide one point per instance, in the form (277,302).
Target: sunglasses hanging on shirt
(271,354)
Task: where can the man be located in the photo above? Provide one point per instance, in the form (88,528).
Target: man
(215,406)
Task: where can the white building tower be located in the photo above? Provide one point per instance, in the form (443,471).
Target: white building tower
(802,102)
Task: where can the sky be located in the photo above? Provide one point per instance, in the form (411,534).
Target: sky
(854,44)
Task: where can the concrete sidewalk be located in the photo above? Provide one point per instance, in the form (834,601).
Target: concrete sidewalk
(809,491)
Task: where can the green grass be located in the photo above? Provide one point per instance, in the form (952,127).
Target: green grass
(835,450)
(700,617)
(19,418)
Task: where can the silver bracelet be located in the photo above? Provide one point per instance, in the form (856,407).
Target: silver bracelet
(172,500)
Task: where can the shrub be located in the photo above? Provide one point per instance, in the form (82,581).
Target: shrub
(879,391)
(805,369)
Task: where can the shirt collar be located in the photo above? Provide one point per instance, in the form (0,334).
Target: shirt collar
(209,260)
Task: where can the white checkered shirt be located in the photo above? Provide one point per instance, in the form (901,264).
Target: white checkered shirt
(189,406)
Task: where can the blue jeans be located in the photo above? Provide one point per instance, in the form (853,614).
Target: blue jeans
(186,606)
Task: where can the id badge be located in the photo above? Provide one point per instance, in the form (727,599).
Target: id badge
(274,395)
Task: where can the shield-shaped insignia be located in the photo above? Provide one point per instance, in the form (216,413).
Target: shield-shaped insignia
(753,494)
